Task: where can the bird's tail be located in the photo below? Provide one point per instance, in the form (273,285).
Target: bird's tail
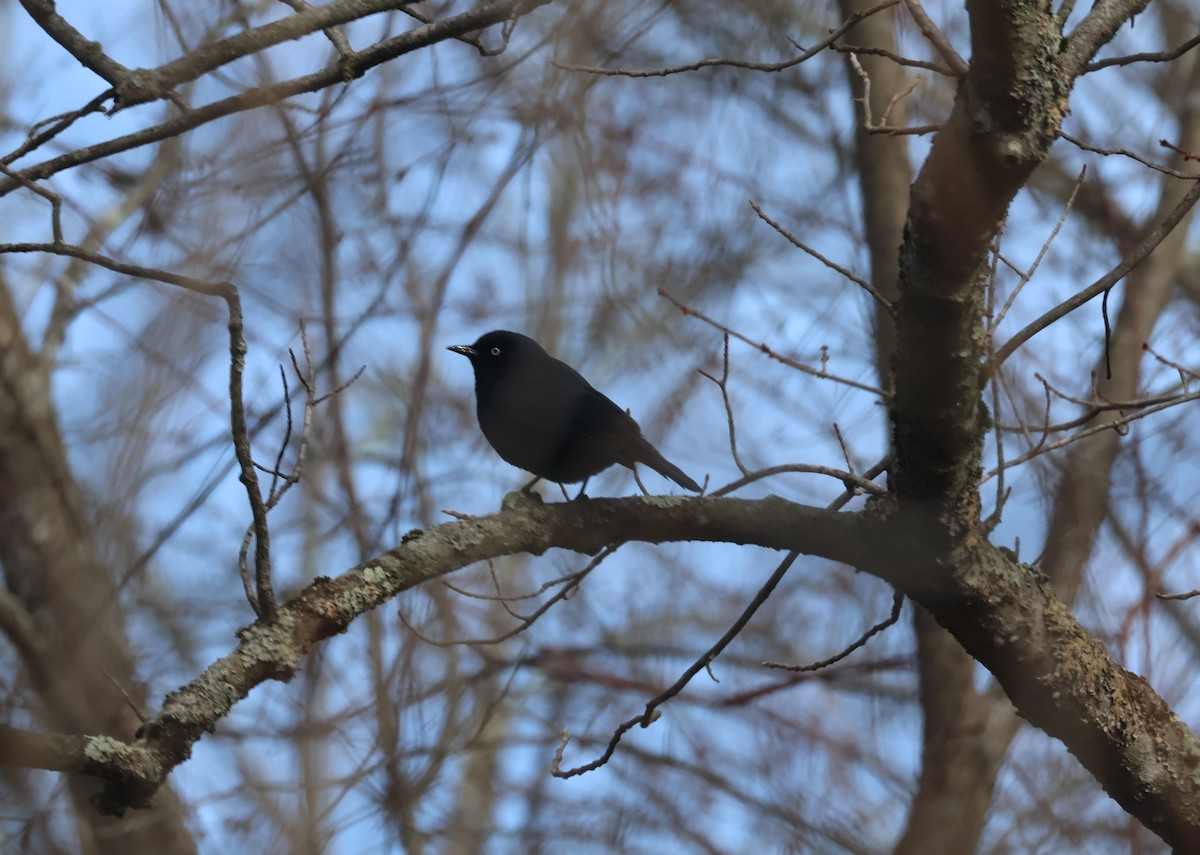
(649,455)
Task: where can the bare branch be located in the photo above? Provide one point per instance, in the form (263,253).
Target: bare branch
(805,55)
(89,53)
(765,348)
(357,64)
(650,713)
(1159,56)
(897,603)
(832,265)
(1106,281)
(958,66)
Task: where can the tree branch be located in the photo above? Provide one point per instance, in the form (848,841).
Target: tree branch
(1007,616)
(355,65)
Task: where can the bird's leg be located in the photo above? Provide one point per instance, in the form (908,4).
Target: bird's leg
(529,486)
(580,494)
(633,469)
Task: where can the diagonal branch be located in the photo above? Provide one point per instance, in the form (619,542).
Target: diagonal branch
(355,64)
(89,53)
(1059,677)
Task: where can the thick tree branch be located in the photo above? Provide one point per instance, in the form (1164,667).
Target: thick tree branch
(1060,678)
(142,85)
(1006,113)
(89,53)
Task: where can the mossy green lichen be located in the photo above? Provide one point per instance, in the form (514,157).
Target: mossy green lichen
(273,642)
(665,501)
(374,574)
(355,601)
(104,749)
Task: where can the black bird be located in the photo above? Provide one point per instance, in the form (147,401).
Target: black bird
(542,416)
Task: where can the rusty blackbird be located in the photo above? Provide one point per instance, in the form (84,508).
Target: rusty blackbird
(542,416)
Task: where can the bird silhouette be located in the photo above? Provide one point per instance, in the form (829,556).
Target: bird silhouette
(541,415)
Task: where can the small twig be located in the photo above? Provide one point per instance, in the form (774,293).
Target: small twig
(638,479)
(508,598)
(766,349)
(264,593)
(882,127)
(1184,153)
(1107,334)
(124,694)
(1165,170)
(1027,275)
(55,125)
(572,583)
(897,603)
(1185,374)
(53,198)
(1115,424)
(1187,596)
(335,35)
(1160,56)
(1106,281)
(993,519)
(650,714)
(864,50)
(287,435)
(853,483)
(474,39)
(937,38)
(1094,407)
(837,431)
(832,265)
(805,55)
(723,385)
(851,492)
(491,566)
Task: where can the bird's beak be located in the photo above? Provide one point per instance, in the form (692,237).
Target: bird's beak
(464,349)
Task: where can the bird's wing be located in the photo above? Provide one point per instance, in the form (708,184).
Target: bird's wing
(563,400)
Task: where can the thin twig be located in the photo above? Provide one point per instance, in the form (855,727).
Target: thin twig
(55,125)
(805,55)
(864,50)
(1027,275)
(882,127)
(572,583)
(832,265)
(854,483)
(1105,282)
(937,38)
(53,198)
(650,714)
(766,349)
(1160,56)
(723,385)
(837,432)
(897,603)
(1115,424)
(1122,152)
(508,598)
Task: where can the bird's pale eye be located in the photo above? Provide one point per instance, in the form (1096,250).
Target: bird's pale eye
(495,351)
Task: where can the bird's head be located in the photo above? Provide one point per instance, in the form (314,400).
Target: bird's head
(498,351)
